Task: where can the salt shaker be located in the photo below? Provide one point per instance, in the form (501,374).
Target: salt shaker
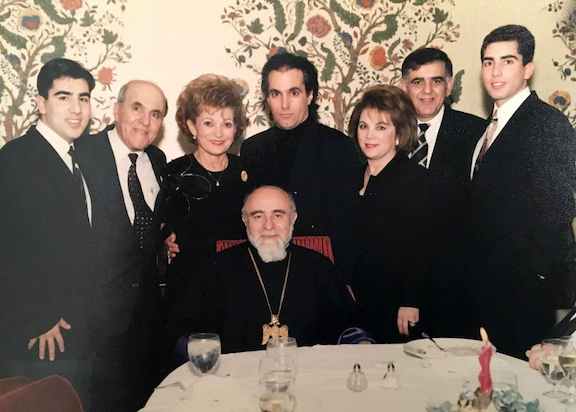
(357,381)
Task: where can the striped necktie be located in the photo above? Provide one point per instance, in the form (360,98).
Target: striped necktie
(489,135)
(420,154)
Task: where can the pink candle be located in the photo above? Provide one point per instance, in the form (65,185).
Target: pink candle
(485,378)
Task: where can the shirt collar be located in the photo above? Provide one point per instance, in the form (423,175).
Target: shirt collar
(436,120)
(58,143)
(506,111)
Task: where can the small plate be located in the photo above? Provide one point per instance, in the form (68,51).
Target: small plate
(425,349)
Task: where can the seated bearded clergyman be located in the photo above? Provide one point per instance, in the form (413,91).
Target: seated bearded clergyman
(266,286)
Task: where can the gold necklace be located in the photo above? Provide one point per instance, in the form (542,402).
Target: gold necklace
(274,329)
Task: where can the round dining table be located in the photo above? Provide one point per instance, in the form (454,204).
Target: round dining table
(322,372)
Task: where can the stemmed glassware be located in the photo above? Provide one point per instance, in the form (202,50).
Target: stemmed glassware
(567,360)
(204,352)
(277,375)
(550,366)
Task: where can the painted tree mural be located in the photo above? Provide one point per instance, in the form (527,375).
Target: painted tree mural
(565,31)
(353,43)
(35,31)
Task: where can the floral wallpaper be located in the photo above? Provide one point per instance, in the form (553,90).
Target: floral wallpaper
(353,43)
(565,63)
(35,31)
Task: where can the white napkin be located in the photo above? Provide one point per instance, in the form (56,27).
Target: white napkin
(211,393)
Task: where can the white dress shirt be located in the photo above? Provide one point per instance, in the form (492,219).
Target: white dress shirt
(505,112)
(432,133)
(61,147)
(144,170)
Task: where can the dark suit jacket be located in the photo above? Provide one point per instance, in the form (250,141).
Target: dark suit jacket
(455,144)
(128,276)
(522,209)
(449,181)
(45,250)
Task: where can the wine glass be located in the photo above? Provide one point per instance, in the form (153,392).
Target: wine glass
(276,377)
(550,366)
(283,350)
(567,360)
(204,352)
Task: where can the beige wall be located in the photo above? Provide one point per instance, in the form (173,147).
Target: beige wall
(173,41)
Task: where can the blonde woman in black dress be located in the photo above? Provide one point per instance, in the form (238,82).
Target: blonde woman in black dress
(206,187)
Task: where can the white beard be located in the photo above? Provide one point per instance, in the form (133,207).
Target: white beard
(271,250)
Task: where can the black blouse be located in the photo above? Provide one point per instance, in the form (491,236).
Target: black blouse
(389,247)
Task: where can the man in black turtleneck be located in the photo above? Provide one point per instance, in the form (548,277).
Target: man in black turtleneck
(317,164)
(267,279)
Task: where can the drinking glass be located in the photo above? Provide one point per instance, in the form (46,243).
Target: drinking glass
(567,360)
(276,377)
(550,366)
(204,352)
(283,350)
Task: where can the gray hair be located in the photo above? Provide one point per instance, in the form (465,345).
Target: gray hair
(278,188)
(122,93)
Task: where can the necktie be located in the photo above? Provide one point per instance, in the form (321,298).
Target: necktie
(78,179)
(420,154)
(142,213)
(488,139)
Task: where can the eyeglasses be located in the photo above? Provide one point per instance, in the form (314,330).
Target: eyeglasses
(184,188)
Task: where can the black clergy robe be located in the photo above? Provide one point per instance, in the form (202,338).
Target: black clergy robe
(316,306)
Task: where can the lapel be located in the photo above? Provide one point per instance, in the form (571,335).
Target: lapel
(440,153)
(511,136)
(57,176)
(158,167)
(101,172)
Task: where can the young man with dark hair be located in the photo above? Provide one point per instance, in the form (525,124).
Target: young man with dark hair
(46,234)
(317,164)
(522,203)
(446,140)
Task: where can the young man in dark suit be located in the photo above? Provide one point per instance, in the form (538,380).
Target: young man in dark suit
(125,170)
(522,199)
(316,163)
(46,251)
(447,138)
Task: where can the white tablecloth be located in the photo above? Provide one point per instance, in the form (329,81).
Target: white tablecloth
(321,382)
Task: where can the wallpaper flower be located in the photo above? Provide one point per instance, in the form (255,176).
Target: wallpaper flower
(565,63)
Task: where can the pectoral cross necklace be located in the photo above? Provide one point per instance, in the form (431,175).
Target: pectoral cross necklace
(274,329)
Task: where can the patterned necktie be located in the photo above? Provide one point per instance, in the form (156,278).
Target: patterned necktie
(142,213)
(78,179)
(488,139)
(420,154)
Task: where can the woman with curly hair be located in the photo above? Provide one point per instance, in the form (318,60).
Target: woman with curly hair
(207,186)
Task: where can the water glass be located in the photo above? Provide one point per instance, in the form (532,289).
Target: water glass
(204,352)
(276,377)
(284,350)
